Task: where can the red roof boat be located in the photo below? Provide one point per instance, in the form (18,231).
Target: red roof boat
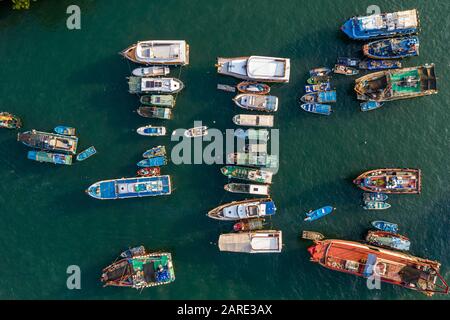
(393,181)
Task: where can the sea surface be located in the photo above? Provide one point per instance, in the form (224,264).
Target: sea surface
(51,75)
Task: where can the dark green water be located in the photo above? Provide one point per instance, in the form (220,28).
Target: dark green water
(52,76)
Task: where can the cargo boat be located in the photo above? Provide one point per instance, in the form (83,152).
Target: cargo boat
(49,141)
(158,52)
(248,174)
(262,241)
(55,158)
(246,209)
(391,181)
(395,48)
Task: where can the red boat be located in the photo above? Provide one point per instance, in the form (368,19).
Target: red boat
(392,267)
(149,172)
(393,181)
(249,225)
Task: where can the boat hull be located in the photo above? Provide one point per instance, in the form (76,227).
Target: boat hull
(269,209)
(182,58)
(387,181)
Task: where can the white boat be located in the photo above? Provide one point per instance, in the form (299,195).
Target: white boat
(155,71)
(253,120)
(158,52)
(257,68)
(262,241)
(154,85)
(152,131)
(256,102)
(196,132)
(254,189)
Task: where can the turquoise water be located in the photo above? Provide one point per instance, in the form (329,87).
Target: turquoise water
(53,76)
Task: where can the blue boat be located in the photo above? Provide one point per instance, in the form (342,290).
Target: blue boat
(388,240)
(155,152)
(370,105)
(375,196)
(89,152)
(376,65)
(385,226)
(325,86)
(319,213)
(131,188)
(153,162)
(348,62)
(320,72)
(55,158)
(322,109)
(320,97)
(396,48)
(64,130)
(383,25)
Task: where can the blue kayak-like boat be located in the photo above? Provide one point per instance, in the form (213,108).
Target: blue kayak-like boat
(376,65)
(370,105)
(396,48)
(385,226)
(131,188)
(322,109)
(66,131)
(153,162)
(325,86)
(320,97)
(89,152)
(319,213)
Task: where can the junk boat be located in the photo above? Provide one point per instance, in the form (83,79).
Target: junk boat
(317,108)
(89,152)
(154,85)
(158,52)
(395,48)
(246,159)
(377,65)
(153,162)
(253,87)
(155,113)
(397,84)
(149,172)
(391,181)
(49,141)
(319,97)
(249,225)
(261,135)
(155,152)
(152,131)
(155,71)
(385,226)
(55,158)
(254,189)
(318,214)
(130,188)
(262,241)
(252,120)
(255,68)
(248,174)
(376,205)
(159,100)
(196,132)
(388,240)
(246,209)
(256,102)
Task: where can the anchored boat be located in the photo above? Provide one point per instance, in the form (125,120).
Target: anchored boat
(263,241)
(318,214)
(376,65)
(375,197)
(247,159)
(246,209)
(66,131)
(322,109)
(249,225)
(348,62)
(370,105)
(248,174)
(155,113)
(151,131)
(391,181)
(376,205)
(318,80)
(253,87)
(260,149)
(155,152)
(251,120)
(319,72)
(160,100)
(158,52)
(9,121)
(261,135)
(89,152)
(325,86)
(388,240)
(256,102)
(395,48)
(196,132)
(254,189)
(149,172)
(55,158)
(49,141)
(153,162)
(155,71)
(320,97)
(154,85)
(346,71)
(385,226)
(312,235)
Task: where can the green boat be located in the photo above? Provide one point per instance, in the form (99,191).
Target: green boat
(318,80)
(248,174)
(55,158)
(161,100)
(376,205)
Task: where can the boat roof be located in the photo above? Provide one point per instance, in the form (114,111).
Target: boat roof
(161,50)
(134,187)
(268,67)
(251,242)
(397,20)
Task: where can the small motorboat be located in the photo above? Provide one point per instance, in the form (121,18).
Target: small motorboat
(89,152)
(370,105)
(320,97)
(149,172)
(320,72)
(388,240)
(153,162)
(376,205)
(155,152)
(9,121)
(261,135)
(253,87)
(159,100)
(385,226)
(256,102)
(196,132)
(322,109)
(255,189)
(314,215)
(66,131)
(158,52)
(348,71)
(253,120)
(376,65)
(155,71)
(151,131)
(348,62)
(318,80)
(149,85)
(312,235)
(325,86)
(249,225)
(375,196)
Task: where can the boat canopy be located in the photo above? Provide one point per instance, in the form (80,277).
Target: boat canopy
(266,67)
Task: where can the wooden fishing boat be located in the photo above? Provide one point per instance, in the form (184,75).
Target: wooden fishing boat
(155,113)
(398,84)
(9,121)
(89,152)
(155,71)
(155,152)
(154,85)
(256,148)
(388,240)
(322,109)
(320,97)
(391,181)
(246,209)
(158,52)
(149,172)
(385,226)
(312,235)
(159,100)
(196,132)
(314,215)
(375,196)
(376,65)
(319,72)
(64,130)
(254,189)
(260,241)
(255,68)
(140,270)
(370,105)
(131,188)
(348,62)
(251,120)
(249,225)
(252,160)
(248,174)
(55,158)
(382,25)
(318,80)
(392,267)
(346,71)
(395,48)
(261,135)
(376,205)
(325,86)
(153,162)
(151,131)
(49,141)
(253,87)
(255,102)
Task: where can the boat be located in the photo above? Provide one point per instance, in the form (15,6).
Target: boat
(154,85)
(153,162)
(196,132)
(253,87)
(388,240)
(251,120)
(64,130)
(49,141)
(259,241)
(131,188)
(314,215)
(56,158)
(226,87)
(151,131)
(397,84)
(155,71)
(255,68)
(312,235)
(348,62)
(260,148)
(246,209)
(319,72)
(248,174)
(155,152)
(247,159)
(375,196)
(391,181)
(376,65)
(254,189)
(320,97)
(322,109)
(249,225)
(389,266)
(158,52)
(155,112)
(9,121)
(370,105)
(318,80)
(376,205)
(347,71)
(149,172)
(256,102)
(395,48)
(89,152)
(140,270)
(385,226)
(382,25)
(261,135)
(131,252)
(324,86)
(159,100)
